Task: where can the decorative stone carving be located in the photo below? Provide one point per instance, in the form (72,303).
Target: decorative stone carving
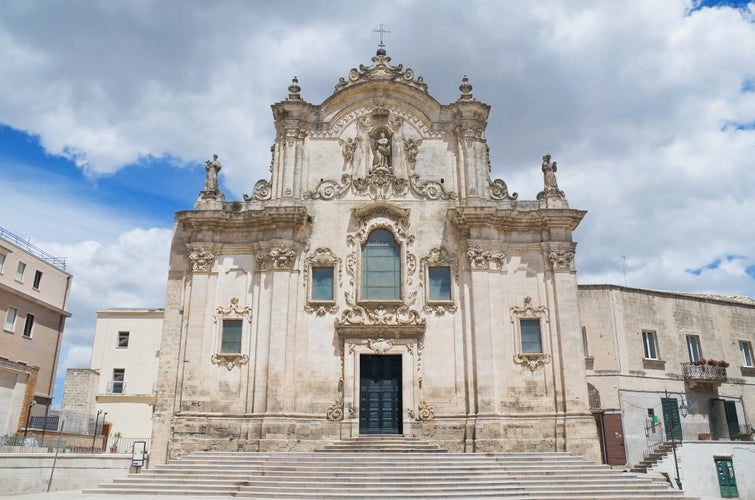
(229,360)
(499,191)
(528,311)
(348,148)
(426,411)
(480,259)
(201,260)
(562,258)
(466,90)
(276,259)
(294,89)
(411,149)
(381,69)
(532,360)
(436,258)
(211,190)
(233,311)
(321,310)
(381,185)
(380,315)
(550,187)
(263,191)
(335,411)
(380,346)
(323,257)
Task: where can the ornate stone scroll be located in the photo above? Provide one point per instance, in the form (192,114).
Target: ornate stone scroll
(426,411)
(381,186)
(532,360)
(381,69)
(380,346)
(201,260)
(380,315)
(263,191)
(499,191)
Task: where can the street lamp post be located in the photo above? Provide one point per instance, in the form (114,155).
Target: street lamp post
(28,416)
(94,433)
(683,408)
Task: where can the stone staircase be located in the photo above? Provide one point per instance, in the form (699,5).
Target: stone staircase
(654,457)
(385,468)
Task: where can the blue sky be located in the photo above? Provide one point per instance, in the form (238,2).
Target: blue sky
(108,111)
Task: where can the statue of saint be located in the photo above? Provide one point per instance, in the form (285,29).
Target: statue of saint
(549,175)
(348,148)
(212,167)
(382,152)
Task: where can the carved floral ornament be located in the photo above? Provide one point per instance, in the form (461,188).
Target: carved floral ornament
(229,360)
(562,258)
(532,360)
(279,258)
(201,260)
(483,259)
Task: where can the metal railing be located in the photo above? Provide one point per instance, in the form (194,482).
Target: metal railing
(68,444)
(706,372)
(59,262)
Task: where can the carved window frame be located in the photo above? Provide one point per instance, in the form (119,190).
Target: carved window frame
(322,257)
(408,261)
(438,257)
(531,360)
(233,312)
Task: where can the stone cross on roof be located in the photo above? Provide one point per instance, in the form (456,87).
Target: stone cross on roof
(382,31)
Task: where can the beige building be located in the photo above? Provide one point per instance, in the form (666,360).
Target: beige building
(34,288)
(663,365)
(120,380)
(380,282)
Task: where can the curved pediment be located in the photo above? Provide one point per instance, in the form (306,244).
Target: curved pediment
(382,209)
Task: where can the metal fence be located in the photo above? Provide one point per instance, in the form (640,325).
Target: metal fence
(67,443)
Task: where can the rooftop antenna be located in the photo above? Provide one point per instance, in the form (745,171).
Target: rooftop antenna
(382,31)
(624,268)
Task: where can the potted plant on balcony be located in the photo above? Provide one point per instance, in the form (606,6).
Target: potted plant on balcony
(699,362)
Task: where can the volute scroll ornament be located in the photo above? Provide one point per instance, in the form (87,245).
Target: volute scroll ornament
(426,411)
(499,191)
(263,191)
(229,360)
(480,259)
(532,360)
(276,259)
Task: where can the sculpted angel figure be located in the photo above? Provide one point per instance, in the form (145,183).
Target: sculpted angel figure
(348,148)
(411,147)
(212,167)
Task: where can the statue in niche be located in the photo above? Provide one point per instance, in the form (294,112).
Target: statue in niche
(348,150)
(362,158)
(212,167)
(381,161)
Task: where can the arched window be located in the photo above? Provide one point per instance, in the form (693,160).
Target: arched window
(381,267)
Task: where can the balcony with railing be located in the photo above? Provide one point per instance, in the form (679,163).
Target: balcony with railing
(704,374)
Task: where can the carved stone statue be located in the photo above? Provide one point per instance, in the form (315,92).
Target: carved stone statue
(550,187)
(411,148)
(348,148)
(382,158)
(212,167)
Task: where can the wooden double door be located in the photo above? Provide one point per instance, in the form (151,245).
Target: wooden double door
(379,394)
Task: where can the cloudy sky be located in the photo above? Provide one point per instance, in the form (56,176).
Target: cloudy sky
(109,109)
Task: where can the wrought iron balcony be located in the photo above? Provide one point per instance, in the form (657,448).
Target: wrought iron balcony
(703,374)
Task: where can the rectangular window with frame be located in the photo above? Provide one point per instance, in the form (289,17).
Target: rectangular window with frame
(231,336)
(123,339)
(693,348)
(119,380)
(2,262)
(746,349)
(322,284)
(531,339)
(37,279)
(10,319)
(20,270)
(649,344)
(29,325)
(439,283)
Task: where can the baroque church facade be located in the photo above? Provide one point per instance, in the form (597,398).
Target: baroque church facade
(380,282)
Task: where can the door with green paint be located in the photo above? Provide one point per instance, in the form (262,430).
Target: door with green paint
(379,394)
(727,482)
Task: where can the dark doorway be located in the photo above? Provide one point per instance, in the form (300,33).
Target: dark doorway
(379,394)
(613,437)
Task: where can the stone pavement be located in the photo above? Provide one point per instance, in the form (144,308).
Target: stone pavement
(79,495)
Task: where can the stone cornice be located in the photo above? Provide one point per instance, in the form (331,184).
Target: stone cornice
(533,220)
(256,220)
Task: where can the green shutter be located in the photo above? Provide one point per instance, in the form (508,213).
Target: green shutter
(731,419)
(671,421)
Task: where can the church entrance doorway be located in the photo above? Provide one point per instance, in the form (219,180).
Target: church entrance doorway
(379,394)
